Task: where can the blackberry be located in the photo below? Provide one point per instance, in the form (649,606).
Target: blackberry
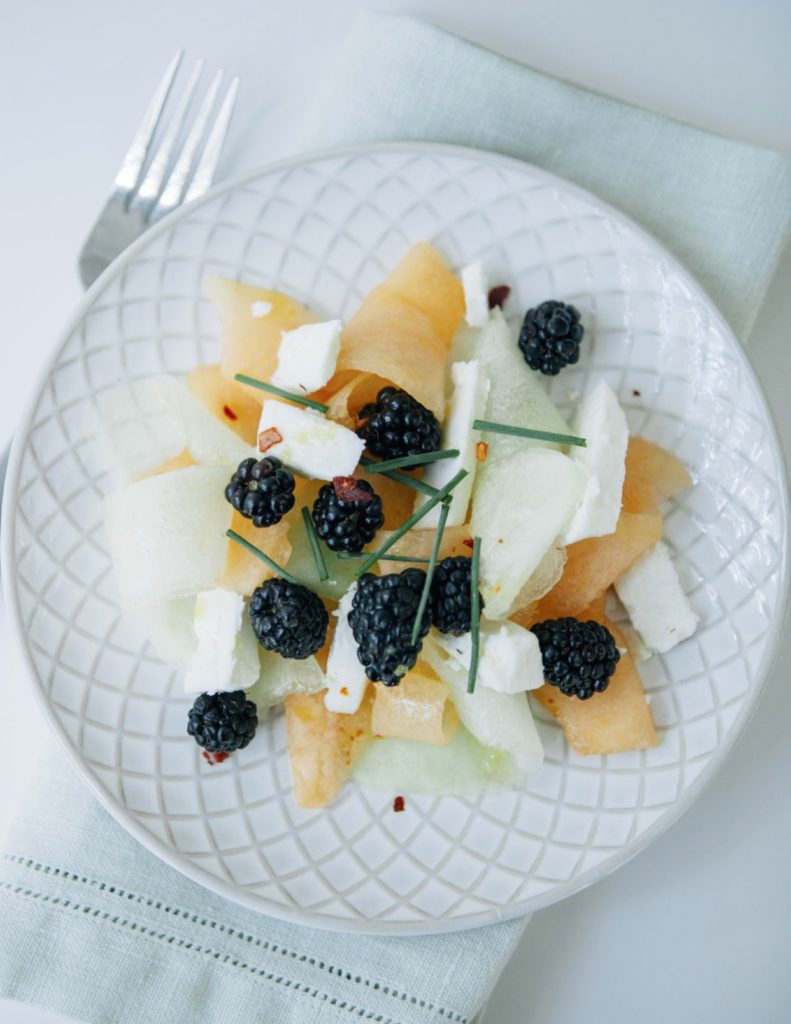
(396,424)
(347,513)
(382,615)
(288,618)
(261,490)
(451,607)
(550,337)
(222,722)
(579,657)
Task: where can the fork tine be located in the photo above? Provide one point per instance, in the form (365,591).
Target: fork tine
(133,162)
(174,187)
(207,165)
(149,189)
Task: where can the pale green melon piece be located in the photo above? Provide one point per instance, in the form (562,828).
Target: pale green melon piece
(281,676)
(167,534)
(301,565)
(409,766)
(500,720)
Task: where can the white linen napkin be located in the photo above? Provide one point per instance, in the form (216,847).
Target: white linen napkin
(96,927)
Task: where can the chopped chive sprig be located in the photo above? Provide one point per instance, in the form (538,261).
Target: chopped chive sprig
(410,461)
(292,396)
(238,539)
(315,547)
(384,558)
(475,609)
(432,564)
(538,435)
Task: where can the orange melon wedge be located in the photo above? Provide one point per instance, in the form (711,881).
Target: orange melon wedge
(230,402)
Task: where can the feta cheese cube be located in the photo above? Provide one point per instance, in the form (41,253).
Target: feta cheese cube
(601,421)
(509,657)
(652,594)
(308,442)
(217,624)
(476,294)
(307,356)
(468,403)
(346,678)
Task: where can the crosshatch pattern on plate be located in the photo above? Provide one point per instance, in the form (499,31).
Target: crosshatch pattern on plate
(326,231)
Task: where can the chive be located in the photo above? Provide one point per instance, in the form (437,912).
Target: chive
(539,435)
(315,547)
(475,612)
(234,536)
(413,520)
(292,396)
(384,558)
(410,460)
(402,478)
(432,564)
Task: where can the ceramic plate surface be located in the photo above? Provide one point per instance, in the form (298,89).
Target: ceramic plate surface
(325,229)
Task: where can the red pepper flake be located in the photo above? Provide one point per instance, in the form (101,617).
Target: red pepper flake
(636,392)
(217,758)
(498,295)
(269,437)
(481,451)
(344,691)
(398,804)
(348,489)
(468,542)
(229,412)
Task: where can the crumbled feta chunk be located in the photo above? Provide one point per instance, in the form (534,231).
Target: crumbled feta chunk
(509,657)
(468,403)
(308,442)
(601,421)
(476,294)
(346,678)
(652,594)
(217,622)
(260,308)
(307,356)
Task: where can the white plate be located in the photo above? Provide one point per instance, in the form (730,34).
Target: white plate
(326,228)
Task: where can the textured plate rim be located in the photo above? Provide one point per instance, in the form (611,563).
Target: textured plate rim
(297,915)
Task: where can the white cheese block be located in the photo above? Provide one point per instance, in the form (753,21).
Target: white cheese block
(223,646)
(509,657)
(346,678)
(601,421)
(468,403)
(307,356)
(651,593)
(476,294)
(311,444)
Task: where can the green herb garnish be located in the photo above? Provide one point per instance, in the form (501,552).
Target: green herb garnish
(538,435)
(413,520)
(475,612)
(384,558)
(409,460)
(290,395)
(401,478)
(315,547)
(432,564)
(234,536)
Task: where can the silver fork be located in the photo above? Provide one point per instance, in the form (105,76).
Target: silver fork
(153,181)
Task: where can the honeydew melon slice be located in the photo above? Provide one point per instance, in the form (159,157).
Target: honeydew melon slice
(278,677)
(167,534)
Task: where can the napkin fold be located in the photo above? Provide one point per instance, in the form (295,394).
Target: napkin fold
(96,927)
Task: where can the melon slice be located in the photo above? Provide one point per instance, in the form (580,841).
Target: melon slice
(593,565)
(301,564)
(243,571)
(167,534)
(227,400)
(404,327)
(249,341)
(419,708)
(347,393)
(418,544)
(180,461)
(323,747)
(611,722)
(653,475)
(280,677)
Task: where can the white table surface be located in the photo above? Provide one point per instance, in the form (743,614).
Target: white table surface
(697,928)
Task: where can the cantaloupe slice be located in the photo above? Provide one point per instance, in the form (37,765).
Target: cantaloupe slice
(345,395)
(249,343)
(611,722)
(232,403)
(404,327)
(419,708)
(653,475)
(180,461)
(243,571)
(593,565)
(323,747)
(418,544)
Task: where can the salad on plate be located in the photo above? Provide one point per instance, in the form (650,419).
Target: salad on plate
(386,528)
